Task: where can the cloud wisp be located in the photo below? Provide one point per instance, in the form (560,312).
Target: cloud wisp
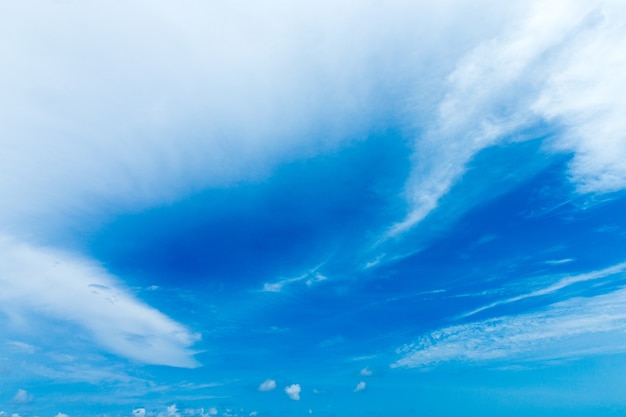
(560,284)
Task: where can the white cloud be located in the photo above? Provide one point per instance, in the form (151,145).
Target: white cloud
(579,326)
(212,411)
(562,63)
(360,386)
(585,93)
(61,415)
(139,412)
(366,372)
(253,413)
(293,391)
(22,397)
(268,385)
(58,284)
(225,95)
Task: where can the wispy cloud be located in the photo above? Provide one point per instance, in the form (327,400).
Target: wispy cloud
(58,284)
(560,284)
(559,261)
(576,327)
(561,63)
(309,279)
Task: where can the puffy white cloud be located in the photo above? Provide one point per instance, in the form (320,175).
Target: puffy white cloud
(22,397)
(360,386)
(58,284)
(267,385)
(61,415)
(293,391)
(366,372)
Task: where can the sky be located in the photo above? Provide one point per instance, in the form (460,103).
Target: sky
(335,208)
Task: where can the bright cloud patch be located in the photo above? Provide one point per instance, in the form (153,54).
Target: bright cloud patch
(360,386)
(268,385)
(293,391)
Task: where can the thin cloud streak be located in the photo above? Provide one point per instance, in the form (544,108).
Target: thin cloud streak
(562,283)
(571,328)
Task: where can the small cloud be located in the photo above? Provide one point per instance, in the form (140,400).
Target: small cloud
(268,385)
(153,288)
(22,397)
(331,341)
(61,415)
(362,358)
(172,411)
(559,261)
(212,411)
(139,412)
(22,347)
(15,415)
(293,391)
(253,413)
(360,386)
(366,372)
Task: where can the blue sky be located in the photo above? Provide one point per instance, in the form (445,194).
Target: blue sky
(338,209)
